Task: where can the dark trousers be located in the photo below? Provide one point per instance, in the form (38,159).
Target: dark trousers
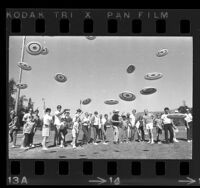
(31,138)
(13,136)
(95,130)
(85,134)
(26,139)
(168,127)
(89,133)
(189,131)
(142,135)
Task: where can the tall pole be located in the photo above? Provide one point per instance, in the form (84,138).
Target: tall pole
(20,74)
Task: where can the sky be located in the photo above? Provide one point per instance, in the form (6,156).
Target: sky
(96,69)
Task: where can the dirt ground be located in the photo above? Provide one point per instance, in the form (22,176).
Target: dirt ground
(132,150)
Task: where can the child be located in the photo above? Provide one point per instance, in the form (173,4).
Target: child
(158,124)
(47,121)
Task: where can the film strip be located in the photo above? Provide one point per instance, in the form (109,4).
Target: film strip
(108,23)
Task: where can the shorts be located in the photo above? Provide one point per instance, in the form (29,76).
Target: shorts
(158,130)
(74,132)
(149,126)
(45,131)
(63,129)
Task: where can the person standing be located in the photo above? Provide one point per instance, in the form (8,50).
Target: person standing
(115,123)
(140,128)
(27,118)
(95,125)
(105,123)
(168,126)
(57,123)
(124,129)
(148,121)
(36,119)
(158,125)
(90,128)
(76,128)
(85,124)
(188,123)
(13,128)
(133,128)
(47,121)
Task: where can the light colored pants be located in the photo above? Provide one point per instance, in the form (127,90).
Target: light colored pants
(116,133)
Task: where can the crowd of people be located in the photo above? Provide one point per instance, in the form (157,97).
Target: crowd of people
(94,127)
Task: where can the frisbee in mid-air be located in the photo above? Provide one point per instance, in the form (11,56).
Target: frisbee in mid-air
(176,116)
(34,48)
(44,51)
(21,86)
(148,91)
(111,102)
(24,66)
(127,96)
(153,76)
(91,37)
(162,52)
(60,77)
(130,69)
(86,101)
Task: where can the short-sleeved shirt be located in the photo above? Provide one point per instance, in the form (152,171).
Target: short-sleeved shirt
(148,118)
(86,121)
(47,119)
(158,122)
(57,118)
(188,118)
(165,119)
(96,120)
(27,117)
(115,117)
(132,120)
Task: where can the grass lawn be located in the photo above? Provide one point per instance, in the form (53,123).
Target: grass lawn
(133,150)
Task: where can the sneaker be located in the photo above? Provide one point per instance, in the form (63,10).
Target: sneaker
(95,143)
(152,142)
(188,141)
(13,146)
(74,147)
(61,146)
(105,143)
(159,142)
(175,140)
(44,148)
(149,142)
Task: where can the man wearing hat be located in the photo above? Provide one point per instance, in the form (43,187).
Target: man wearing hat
(115,122)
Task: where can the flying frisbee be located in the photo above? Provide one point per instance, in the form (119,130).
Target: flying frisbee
(153,76)
(148,91)
(127,96)
(91,37)
(34,48)
(130,69)
(176,116)
(86,101)
(162,52)
(21,86)
(111,102)
(44,51)
(24,66)
(60,77)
